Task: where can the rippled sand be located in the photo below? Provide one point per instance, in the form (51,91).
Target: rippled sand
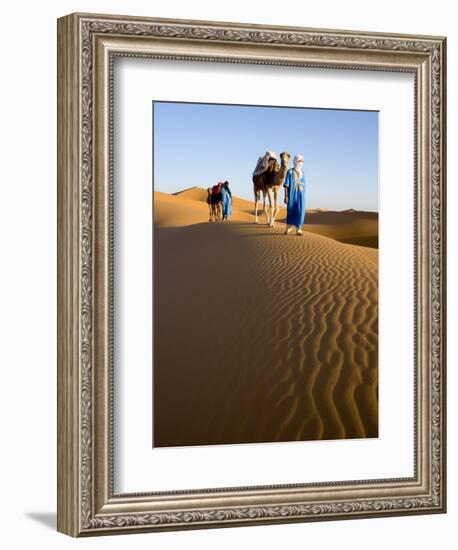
(260,336)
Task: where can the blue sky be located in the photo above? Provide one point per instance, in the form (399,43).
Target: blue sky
(197,144)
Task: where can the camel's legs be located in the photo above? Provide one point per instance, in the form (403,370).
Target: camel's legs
(264,197)
(256,201)
(276,208)
(268,209)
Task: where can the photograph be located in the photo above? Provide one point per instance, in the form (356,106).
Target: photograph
(265,274)
(251,274)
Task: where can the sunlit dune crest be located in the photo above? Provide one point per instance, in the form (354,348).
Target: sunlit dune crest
(189,206)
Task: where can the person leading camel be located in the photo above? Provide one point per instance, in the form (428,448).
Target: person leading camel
(295,196)
(226,196)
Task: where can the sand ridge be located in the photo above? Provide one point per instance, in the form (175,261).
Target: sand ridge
(348,226)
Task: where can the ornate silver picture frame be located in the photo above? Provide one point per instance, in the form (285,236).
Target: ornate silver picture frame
(87,47)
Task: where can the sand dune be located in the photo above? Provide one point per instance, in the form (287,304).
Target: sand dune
(179,210)
(347,226)
(260,336)
(200,194)
(192,193)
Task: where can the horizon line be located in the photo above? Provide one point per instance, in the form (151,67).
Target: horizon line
(251,200)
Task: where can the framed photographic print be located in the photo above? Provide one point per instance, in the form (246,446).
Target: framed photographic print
(251,286)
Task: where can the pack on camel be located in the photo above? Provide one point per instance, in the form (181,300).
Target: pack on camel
(268,177)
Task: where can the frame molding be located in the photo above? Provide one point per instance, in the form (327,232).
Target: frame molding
(87,45)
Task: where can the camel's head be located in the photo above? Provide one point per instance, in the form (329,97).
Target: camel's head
(285,158)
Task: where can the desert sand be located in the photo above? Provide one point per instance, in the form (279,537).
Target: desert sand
(259,336)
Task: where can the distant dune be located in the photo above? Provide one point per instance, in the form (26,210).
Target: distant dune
(178,210)
(347,226)
(193,193)
(261,336)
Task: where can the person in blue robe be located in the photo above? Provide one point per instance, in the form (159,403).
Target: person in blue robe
(295,196)
(226,196)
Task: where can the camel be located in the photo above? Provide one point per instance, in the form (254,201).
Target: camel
(214,206)
(263,181)
(272,188)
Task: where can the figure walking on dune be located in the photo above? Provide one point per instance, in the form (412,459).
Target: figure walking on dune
(226,197)
(295,196)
